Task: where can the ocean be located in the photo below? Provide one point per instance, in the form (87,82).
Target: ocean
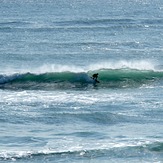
(51,110)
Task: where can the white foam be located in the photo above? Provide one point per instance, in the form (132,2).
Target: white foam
(139,64)
(58,68)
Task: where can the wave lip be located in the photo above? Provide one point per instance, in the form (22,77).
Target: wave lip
(117,78)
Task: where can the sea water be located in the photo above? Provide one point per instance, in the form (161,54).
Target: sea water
(50,108)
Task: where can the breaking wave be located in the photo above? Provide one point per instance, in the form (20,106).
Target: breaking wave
(109,78)
(139,149)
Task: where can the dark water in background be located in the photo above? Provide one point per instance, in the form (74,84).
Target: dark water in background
(50,108)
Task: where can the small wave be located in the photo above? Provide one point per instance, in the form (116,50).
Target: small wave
(93,22)
(156,147)
(116,78)
(14,23)
(111,150)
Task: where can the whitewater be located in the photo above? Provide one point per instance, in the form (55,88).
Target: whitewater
(51,110)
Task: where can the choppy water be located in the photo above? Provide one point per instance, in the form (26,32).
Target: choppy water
(50,108)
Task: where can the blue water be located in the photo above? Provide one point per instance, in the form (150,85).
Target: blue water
(50,108)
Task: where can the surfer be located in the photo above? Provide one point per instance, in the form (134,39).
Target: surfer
(94,77)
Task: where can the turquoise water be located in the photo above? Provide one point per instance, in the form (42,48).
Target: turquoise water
(50,108)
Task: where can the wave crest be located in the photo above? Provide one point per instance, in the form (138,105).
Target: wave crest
(140,149)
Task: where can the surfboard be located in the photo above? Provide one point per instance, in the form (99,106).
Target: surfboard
(97,81)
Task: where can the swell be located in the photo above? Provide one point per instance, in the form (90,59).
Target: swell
(116,78)
(86,22)
(99,118)
(74,25)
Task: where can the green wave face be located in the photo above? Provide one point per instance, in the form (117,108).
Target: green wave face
(122,74)
(127,77)
(118,78)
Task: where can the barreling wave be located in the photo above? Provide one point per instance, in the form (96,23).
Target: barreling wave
(109,78)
